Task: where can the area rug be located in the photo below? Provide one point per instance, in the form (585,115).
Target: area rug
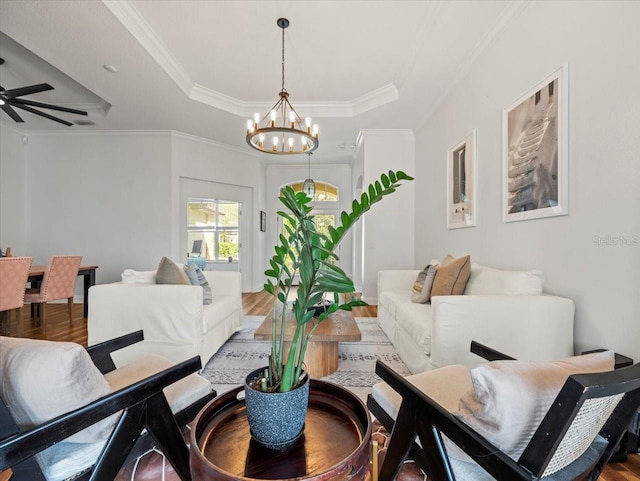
(241,354)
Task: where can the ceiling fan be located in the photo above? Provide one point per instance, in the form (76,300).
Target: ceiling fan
(10,98)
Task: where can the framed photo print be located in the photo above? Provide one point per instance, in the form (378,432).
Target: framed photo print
(535,152)
(461,183)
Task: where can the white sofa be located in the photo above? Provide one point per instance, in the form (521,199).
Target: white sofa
(494,310)
(175,322)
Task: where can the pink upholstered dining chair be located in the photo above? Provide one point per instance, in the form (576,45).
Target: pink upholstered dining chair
(58,283)
(14,272)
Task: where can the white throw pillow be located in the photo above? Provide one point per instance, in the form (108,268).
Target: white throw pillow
(486,281)
(129,276)
(40,380)
(510,398)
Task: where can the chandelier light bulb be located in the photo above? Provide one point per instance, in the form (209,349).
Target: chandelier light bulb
(250,125)
(314,130)
(261,140)
(307,122)
(256,118)
(273,115)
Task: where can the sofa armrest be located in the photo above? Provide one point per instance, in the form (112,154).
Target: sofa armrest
(526,327)
(389,280)
(224,283)
(166,313)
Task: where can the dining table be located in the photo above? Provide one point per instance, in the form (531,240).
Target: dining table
(87,272)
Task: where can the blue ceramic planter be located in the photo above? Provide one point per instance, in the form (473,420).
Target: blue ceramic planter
(276,420)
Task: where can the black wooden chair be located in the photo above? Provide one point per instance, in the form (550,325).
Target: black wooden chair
(422,429)
(146,420)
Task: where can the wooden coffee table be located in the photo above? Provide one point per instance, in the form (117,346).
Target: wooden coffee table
(321,357)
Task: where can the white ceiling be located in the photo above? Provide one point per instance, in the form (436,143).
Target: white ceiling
(202,67)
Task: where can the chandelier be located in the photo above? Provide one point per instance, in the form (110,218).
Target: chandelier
(281,130)
(309,186)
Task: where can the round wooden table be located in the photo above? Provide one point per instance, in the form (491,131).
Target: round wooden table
(334,444)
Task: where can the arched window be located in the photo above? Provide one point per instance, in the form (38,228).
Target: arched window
(324,192)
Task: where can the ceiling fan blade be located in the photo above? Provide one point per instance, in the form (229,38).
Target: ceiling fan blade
(11,113)
(47,106)
(31,89)
(42,114)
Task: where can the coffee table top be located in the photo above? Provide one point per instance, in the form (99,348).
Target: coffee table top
(338,327)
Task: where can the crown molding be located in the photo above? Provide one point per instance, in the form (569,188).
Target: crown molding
(136,24)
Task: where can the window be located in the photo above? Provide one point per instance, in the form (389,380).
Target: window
(213,230)
(324,192)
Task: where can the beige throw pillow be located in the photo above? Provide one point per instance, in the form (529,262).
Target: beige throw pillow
(509,398)
(421,292)
(451,276)
(170,273)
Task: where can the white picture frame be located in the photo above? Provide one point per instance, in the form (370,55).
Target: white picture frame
(461,183)
(535,162)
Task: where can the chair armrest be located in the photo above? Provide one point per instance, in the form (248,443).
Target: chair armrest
(101,353)
(489,353)
(527,327)
(19,447)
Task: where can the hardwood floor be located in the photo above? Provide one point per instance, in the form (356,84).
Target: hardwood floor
(253,304)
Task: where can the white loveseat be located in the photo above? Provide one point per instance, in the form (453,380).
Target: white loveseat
(494,310)
(175,322)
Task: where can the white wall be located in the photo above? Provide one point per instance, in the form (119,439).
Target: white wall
(12,192)
(388,228)
(593,254)
(105,197)
(115,199)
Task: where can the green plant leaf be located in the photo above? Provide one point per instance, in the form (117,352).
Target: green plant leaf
(385,181)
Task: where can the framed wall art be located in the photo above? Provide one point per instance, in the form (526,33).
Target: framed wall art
(535,152)
(461,183)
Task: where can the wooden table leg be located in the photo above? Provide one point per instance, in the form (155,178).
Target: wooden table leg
(89,280)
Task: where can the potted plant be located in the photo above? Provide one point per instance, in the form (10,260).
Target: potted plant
(308,254)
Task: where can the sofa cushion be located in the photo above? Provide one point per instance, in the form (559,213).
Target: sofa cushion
(451,276)
(415,320)
(180,394)
(445,386)
(221,308)
(509,398)
(421,291)
(40,380)
(64,460)
(170,273)
(129,276)
(488,281)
